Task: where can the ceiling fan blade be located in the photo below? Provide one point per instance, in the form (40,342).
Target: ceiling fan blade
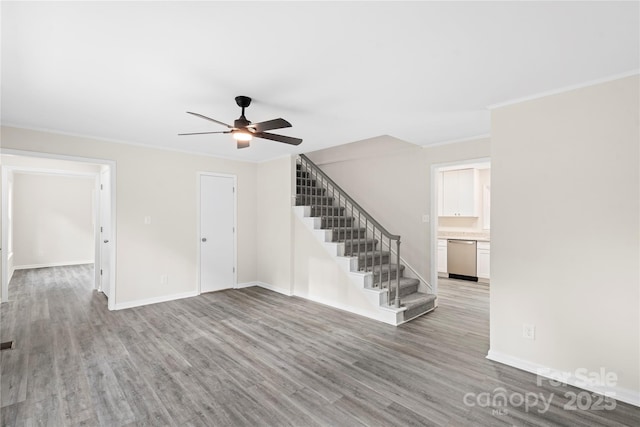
(270,124)
(279,138)
(210,119)
(203,133)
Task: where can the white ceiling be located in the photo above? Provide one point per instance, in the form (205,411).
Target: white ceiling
(340,72)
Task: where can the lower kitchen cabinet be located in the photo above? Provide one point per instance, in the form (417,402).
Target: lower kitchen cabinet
(483,260)
(442,257)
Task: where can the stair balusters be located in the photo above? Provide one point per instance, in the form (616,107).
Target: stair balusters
(316,186)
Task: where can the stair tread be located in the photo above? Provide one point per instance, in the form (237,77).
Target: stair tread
(341,229)
(385,267)
(376,253)
(405,282)
(416,299)
(359,240)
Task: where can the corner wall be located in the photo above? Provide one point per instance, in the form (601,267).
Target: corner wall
(565,232)
(274,229)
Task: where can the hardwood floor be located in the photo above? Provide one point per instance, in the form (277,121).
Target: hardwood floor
(254,357)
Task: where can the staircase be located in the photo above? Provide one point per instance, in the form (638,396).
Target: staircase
(370,254)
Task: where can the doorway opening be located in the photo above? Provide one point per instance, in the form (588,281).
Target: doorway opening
(461,212)
(66,216)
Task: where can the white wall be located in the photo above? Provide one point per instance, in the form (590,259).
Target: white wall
(53,220)
(160,184)
(275,187)
(318,277)
(565,232)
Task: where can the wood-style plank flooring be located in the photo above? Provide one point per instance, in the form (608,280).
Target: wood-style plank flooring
(252,357)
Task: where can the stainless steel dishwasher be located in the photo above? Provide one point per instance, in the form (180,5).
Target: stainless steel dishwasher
(462,259)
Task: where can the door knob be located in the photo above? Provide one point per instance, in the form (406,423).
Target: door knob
(106,241)
(204,239)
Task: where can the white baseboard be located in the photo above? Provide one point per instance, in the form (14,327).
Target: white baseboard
(280,290)
(154,300)
(52,264)
(246,285)
(631,397)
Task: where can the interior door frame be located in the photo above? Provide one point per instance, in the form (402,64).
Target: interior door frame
(433,241)
(199,176)
(111,304)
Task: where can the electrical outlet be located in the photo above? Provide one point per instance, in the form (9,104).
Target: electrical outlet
(425,218)
(528,331)
(147,220)
(164,279)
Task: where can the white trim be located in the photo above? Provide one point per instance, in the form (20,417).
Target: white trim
(629,396)
(199,176)
(44,155)
(454,141)
(4,280)
(245,285)
(136,144)
(283,291)
(564,89)
(12,269)
(52,172)
(154,300)
(52,264)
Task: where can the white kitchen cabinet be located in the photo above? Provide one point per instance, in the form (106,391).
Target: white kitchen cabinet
(442,257)
(483,260)
(460,193)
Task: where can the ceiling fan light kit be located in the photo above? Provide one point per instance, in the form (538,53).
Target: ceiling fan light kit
(243,131)
(240,135)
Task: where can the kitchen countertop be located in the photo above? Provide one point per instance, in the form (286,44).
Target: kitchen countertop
(465,235)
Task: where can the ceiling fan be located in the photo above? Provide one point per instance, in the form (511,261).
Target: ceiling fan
(243,131)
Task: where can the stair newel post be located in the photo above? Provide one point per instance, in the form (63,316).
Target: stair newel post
(318,182)
(333,220)
(339,228)
(366,230)
(308,181)
(397,302)
(389,276)
(345,224)
(380,256)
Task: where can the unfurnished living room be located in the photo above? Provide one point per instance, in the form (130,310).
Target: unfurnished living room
(368,213)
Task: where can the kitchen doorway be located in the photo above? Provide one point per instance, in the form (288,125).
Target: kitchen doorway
(461,218)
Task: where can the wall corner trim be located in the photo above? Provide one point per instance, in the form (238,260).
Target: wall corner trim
(154,300)
(280,290)
(631,397)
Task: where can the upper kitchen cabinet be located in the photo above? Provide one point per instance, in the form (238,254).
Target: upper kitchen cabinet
(459,192)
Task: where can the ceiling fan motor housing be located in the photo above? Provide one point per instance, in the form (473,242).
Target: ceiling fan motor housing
(241,122)
(243,101)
